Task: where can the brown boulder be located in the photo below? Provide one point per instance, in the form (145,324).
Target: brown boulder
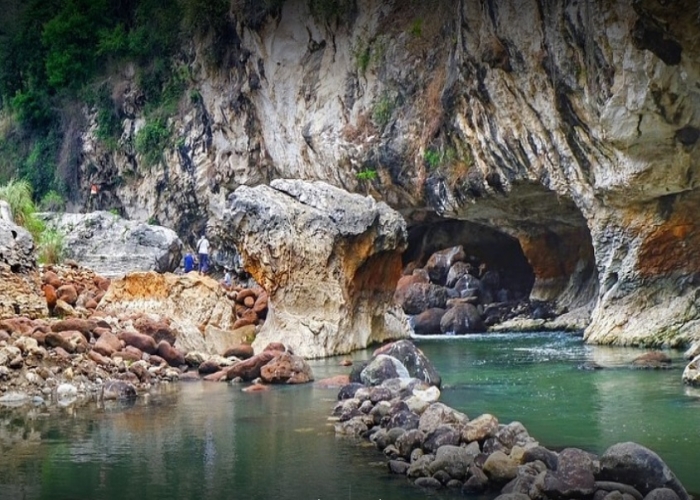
(244,294)
(50,295)
(209,366)
(170,354)
(256,388)
(51,278)
(286,368)
(102,283)
(4,336)
(260,306)
(99,331)
(159,329)
(21,325)
(126,356)
(332,382)
(70,341)
(250,368)
(139,340)
(99,358)
(652,360)
(91,304)
(107,344)
(249,302)
(245,321)
(216,377)
(241,351)
(84,326)
(275,346)
(68,294)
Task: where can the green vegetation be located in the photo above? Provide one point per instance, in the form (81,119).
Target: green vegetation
(382,110)
(52,202)
(152,140)
(51,247)
(56,53)
(18,194)
(367,174)
(416,28)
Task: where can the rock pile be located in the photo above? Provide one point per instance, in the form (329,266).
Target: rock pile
(72,290)
(436,446)
(456,293)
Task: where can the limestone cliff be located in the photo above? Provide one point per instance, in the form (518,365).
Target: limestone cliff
(569,126)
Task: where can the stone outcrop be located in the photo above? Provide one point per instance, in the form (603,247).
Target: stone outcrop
(329,261)
(571,128)
(198,310)
(113,246)
(20,286)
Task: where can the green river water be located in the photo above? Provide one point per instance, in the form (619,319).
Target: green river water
(212,441)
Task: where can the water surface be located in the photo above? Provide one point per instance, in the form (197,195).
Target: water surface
(207,440)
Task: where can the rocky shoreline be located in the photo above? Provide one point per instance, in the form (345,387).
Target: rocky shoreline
(395,406)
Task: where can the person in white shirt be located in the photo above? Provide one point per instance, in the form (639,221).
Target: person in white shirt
(203,251)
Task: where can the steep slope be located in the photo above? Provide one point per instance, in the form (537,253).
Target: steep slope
(571,126)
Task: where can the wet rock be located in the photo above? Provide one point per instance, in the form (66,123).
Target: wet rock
(421,467)
(633,464)
(573,477)
(354,427)
(413,359)
(348,391)
(440,262)
(500,468)
(170,354)
(661,494)
(250,368)
(118,390)
(693,351)
(286,368)
(142,342)
(527,479)
(477,482)
(462,319)
(514,434)
(482,427)
(428,321)
(438,414)
(455,460)
(419,297)
(398,467)
(408,441)
(241,351)
(691,373)
(403,419)
(381,368)
(547,457)
(610,486)
(428,483)
(652,361)
(195,358)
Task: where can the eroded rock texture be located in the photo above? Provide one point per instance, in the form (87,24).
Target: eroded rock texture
(20,285)
(113,246)
(200,315)
(329,260)
(570,127)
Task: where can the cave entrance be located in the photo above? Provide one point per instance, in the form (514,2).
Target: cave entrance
(530,250)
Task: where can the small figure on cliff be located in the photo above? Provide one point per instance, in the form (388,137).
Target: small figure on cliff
(189,262)
(203,251)
(228,279)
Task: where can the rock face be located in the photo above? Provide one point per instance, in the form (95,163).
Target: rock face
(20,286)
(112,246)
(200,314)
(571,128)
(328,259)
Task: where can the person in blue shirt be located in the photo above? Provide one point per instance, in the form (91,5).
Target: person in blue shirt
(189,262)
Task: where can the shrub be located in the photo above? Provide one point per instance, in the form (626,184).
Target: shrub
(52,202)
(382,111)
(151,140)
(50,248)
(18,194)
(367,174)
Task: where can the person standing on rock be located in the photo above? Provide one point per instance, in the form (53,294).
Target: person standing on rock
(203,251)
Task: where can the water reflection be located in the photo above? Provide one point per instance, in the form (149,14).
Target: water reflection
(200,441)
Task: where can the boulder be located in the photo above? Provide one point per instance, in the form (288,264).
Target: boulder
(155,326)
(286,368)
(653,360)
(240,351)
(142,342)
(419,297)
(500,468)
(462,319)
(482,427)
(113,246)
(442,436)
(691,373)
(573,477)
(20,292)
(172,355)
(633,464)
(440,262)
(427,322)
(250,368)
(417,364)
(118,390)
(438,414)
(107,344)
(329,259)
(381,368)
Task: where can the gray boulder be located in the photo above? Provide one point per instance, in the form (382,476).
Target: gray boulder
(633,464)
(417,364)
(112,246)
(382,368)
(462,319)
